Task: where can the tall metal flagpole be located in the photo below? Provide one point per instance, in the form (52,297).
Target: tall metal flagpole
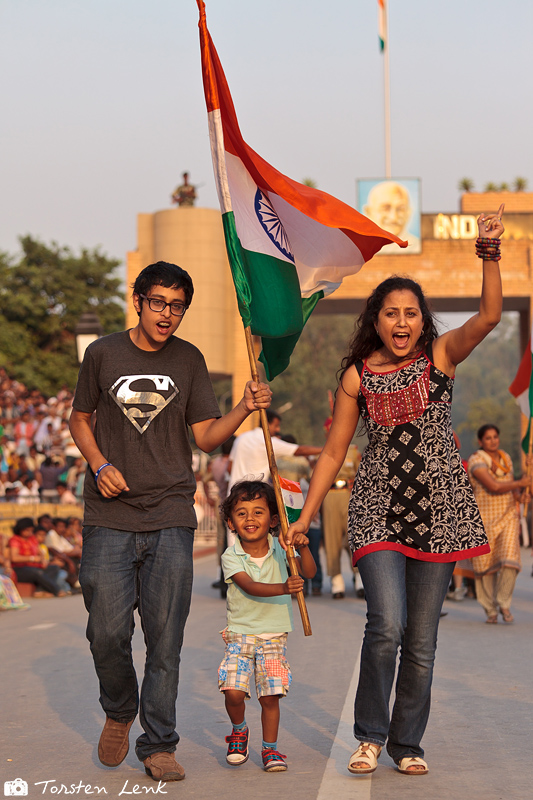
(386,89)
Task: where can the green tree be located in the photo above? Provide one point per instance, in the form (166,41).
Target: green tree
(481,392)
(311,373)
(42,296)
(520,184)
(491,187)
(466,185)
(504,187)
(309,182)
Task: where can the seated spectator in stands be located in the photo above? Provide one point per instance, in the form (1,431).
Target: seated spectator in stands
(68,446)
(40,535)
(9,596)
(65,495)
(47,439)
(3,454)
(29,490)
(12,473)
(56,539)
(8,447)
(11,493)
(76,477)
(23,469)
(24,466)
(50,472)
(5,560)
(27,561)
(34,459)
(48,426)
(45,521)
(56,450)
(66,553)
(74,531)
(8,415)
(23,433)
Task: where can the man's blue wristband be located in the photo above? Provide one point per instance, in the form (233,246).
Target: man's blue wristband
(98,471)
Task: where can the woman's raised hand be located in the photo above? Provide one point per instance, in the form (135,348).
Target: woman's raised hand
(490,226)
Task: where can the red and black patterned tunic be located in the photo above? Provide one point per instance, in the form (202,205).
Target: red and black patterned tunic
(411,492)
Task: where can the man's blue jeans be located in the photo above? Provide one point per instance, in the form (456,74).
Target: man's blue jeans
(404,600)
(151,571)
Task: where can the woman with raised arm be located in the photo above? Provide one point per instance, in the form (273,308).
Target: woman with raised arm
(412,512)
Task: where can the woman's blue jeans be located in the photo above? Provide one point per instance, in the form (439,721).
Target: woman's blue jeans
(151,571)
(404,600)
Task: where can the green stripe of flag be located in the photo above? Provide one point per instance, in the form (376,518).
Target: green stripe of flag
(293,514)
(277,353)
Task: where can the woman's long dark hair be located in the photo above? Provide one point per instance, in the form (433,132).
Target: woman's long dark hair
(366,340)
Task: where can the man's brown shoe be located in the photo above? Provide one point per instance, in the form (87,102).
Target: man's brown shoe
(163,767)
(114,742)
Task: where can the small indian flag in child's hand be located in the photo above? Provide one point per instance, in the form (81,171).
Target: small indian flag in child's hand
(292,498)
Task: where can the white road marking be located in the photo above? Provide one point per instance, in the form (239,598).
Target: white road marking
(43,626)
(337,781)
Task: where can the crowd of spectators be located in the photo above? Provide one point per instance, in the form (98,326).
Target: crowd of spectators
(45,553)
(38,457)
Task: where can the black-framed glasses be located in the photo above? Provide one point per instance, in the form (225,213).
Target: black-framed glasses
(155,304)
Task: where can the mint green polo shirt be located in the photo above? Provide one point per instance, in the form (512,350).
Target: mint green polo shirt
(256,615)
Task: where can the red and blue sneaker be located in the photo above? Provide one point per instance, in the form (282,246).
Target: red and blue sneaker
(273,761)
(237,747)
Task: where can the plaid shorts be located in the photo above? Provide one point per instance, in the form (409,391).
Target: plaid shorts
(246,653)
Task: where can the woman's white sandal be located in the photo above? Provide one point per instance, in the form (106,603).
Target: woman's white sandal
(412,761)
(367,755)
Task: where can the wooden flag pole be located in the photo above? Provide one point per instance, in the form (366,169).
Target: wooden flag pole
(291,556)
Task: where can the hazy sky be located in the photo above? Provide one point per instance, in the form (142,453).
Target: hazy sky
(103,108)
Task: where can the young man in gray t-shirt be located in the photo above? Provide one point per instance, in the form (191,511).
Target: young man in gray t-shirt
(147,387)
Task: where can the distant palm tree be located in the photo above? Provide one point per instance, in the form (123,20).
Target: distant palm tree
(309,182)
(466,185)
(504,187)
(520,184)
(491,187)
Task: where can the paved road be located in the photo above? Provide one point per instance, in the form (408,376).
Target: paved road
(477,743)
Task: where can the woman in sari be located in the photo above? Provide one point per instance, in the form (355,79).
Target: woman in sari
(491,473)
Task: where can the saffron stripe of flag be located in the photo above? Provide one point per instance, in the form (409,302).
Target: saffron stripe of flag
(293,498)
(288,245)
(522,390)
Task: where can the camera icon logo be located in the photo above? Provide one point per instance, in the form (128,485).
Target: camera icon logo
(16,788)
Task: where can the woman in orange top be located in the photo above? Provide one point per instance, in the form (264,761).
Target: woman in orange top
(27,561)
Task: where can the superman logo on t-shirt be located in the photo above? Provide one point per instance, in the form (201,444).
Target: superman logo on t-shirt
(143,397)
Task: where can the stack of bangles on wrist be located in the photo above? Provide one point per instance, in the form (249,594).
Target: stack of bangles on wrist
(488,249)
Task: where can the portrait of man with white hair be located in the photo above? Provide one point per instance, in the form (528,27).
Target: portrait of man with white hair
(393,205)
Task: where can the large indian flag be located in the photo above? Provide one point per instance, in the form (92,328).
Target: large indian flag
(288,244)
(522,389)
